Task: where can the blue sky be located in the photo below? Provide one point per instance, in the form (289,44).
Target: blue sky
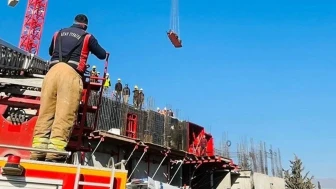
(261,69)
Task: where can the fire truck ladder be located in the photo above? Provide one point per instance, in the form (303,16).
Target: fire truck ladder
(112,165)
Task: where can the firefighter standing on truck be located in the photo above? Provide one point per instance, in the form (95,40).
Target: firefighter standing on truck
(62,88)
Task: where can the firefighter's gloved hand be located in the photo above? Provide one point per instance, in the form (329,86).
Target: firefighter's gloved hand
(107,56)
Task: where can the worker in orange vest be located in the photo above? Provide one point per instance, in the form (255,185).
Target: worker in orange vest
(62,88)
(93,73)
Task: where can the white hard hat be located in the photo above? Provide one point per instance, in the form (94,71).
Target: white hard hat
(98,72)
(158,108)
(93,67)
(119,79)
(165,108)
(141,89)
(135,87)
(107,74)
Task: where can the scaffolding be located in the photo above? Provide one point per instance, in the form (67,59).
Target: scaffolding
(146,125)
(256,157)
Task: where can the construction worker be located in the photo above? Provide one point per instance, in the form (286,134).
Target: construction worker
(93,73)
(107,83)
(171,113)
(98,74)
(126,94)
(62,88)
(135,96)
(118,89)
(141,99)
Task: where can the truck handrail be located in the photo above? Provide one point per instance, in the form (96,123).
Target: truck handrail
(34,149)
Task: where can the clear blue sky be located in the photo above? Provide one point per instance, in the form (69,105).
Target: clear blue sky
(261,69)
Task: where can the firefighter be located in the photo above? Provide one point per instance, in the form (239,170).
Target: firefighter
(126,94)
(107,83)
(141,99)
(62,88)
(118,89)
(135,96)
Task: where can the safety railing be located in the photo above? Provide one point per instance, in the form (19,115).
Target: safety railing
(13,60)
(34,149)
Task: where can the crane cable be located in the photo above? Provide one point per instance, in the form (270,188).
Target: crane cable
(174,18)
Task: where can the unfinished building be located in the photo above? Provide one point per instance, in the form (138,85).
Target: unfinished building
(153,145)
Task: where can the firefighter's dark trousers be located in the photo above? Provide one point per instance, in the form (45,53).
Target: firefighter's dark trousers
(60,97)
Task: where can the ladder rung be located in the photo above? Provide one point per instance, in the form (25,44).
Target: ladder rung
(94,184)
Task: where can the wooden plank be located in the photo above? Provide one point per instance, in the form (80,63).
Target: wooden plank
(30,82)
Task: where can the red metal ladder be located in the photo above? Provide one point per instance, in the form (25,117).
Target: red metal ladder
(83,183)
(81,129)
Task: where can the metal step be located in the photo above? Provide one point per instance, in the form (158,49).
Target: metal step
(28,82)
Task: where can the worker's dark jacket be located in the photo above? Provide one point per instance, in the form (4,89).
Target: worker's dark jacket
(171,114)
(135,94)
(70,38)
(118,87)
(126,91)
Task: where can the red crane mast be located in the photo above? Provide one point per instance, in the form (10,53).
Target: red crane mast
(33,25)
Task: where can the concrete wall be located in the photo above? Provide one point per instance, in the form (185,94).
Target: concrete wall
(242,181)
(250,180)
(262,181)
(225,183)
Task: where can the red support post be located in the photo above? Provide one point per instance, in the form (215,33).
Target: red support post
(131,126)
